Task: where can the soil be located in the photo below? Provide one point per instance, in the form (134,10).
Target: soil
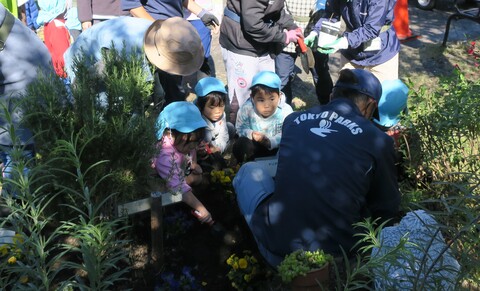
(187,243)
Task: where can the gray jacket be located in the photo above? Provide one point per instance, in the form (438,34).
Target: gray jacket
(23,56)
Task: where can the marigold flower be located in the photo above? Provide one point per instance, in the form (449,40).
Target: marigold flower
(3,250)
(242,263)
(24,279)
(12,260)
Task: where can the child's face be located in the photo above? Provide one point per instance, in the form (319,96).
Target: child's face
(185,146)
(213,112)
(266,103)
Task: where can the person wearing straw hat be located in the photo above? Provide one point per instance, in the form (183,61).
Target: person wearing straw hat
(172,45)
(171,83)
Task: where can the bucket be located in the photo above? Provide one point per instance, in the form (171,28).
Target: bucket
(329,31)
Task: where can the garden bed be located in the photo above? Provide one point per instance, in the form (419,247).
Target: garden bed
(193,252)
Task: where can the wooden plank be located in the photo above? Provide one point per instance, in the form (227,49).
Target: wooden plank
(146,203)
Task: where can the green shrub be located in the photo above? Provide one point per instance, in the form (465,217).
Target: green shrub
(444,130)
(108,113)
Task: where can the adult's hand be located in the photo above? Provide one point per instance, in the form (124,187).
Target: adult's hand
(86,25)
(311,39)
(338,44)
(293,35)
(208,19)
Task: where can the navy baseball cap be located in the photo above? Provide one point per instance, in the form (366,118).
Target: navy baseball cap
(366,83)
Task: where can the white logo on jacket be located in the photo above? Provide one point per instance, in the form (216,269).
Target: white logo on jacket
(323,128)
(327,118)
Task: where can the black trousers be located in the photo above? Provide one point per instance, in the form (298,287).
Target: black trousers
(167,88)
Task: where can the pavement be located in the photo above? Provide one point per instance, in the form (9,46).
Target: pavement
(429,26)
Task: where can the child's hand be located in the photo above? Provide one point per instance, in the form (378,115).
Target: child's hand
(258,136)
(214,149)
(261,138)
(196,169)
(203,215)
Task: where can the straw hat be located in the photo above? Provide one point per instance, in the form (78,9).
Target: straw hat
(174,46)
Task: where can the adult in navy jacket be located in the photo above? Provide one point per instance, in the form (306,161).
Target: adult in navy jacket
(369,40)
(335,168)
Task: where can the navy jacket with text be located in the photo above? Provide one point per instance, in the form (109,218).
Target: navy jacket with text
(335,168)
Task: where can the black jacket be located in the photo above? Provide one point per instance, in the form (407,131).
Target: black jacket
(261,27)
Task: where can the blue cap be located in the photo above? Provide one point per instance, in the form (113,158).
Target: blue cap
(182,116)
(366,83)
(392,103)
(208,85)
(266,78)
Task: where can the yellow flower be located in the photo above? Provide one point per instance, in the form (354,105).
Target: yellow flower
(227,180)
(3,250)
(17,239)
(12,260)
(235,266)
(247,278)
(230,261)
(243,263)
(24,279)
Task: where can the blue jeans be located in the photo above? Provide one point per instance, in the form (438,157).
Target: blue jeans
(253,184)
(285,69)
(9,172)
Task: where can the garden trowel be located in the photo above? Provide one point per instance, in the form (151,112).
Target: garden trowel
(306,56)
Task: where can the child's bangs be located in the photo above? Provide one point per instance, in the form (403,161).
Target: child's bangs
(216,99)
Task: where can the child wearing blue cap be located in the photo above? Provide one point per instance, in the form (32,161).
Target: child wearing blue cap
(211,100)
(180,129)
(260,119)
(392,104)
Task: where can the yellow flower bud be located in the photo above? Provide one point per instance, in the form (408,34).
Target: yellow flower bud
(12,260)
(24,279)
